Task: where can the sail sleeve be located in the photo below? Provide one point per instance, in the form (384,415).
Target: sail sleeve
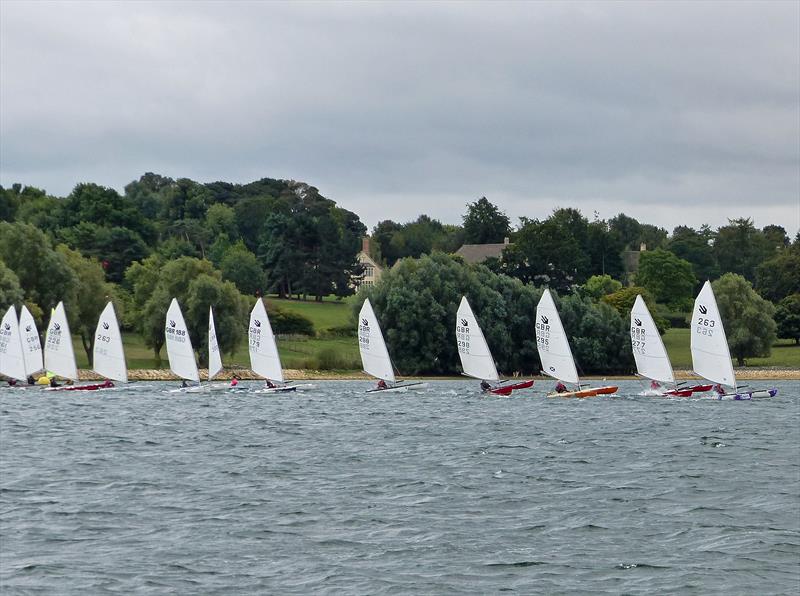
(59,356)
(476,358)
(651,357)
(179,344)
(552,343)
(109,355)
(374,355)
(711,357)
(264,358)
(214,357)
(31,345)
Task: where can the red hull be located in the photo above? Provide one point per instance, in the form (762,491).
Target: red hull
(507,389)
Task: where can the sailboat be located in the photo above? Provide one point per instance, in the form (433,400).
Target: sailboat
(264,358)
(555,353)
(59,357)
(652,361)
(179,348)
(711,356)
(31,346)
(215,357)
(476,358)
(12,357)
(375,358)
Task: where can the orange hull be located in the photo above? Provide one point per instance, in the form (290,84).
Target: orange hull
(591,392)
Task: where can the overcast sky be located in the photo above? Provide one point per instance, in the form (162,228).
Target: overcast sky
(673,113)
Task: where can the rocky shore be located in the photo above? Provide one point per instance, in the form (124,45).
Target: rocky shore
(742,374)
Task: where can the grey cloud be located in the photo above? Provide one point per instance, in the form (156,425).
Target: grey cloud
(393,109)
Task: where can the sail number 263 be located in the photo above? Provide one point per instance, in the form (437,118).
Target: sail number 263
(705,326)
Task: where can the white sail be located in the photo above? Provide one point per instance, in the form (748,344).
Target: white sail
(109,355)
(12,359)
(711,357)
(58,355)
(31,345)
(214,357)
(651,357)
(476,358)
(264,358)
(179,344)
(374,355)
(552,343)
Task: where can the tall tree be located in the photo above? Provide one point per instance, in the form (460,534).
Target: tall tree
(91,294)
(10,290)
(669,279)
(740,248)
(44,274)
(748,318)
(787,318)
(779,276)
(696,248)
(484,223)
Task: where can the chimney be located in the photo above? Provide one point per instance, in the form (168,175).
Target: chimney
(506,240)
(365,245)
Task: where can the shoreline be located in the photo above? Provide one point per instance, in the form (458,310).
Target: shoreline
(742,374)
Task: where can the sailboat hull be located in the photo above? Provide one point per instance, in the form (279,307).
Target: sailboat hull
(399,388)
(506,390)
(591,392)
(748,395)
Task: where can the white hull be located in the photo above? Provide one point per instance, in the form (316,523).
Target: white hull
(400,388)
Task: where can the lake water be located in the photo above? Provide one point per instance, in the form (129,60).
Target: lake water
(138,491)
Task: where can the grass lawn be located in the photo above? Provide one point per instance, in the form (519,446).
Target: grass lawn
(785,354)
(325,315)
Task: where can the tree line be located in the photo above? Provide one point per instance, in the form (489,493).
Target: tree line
(223,244)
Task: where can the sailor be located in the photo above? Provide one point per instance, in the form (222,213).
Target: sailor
(184,384)
(382,384)
(560,387)
(234,381)
(31,381)
(12,382)
(54,383)
(655,385)
(106,384)
(270,384)
(485,386)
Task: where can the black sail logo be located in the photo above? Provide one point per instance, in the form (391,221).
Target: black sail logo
(464,323)
(28,328)
(365,322)
(545,320)
(638,322)
(552,369)
(57,326)
(7,326)
(703,310)
(171,323)
(105,325)
(257,323)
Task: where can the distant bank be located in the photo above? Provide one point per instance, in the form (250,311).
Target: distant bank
(744,373)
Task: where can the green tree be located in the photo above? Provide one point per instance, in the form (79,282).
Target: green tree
(484,223)
(604,248)
(416,302)
(221,221)
(44,274)
(779,277)
(241,267)
(598,286)
(551,252)
(741,248)
(748,318)
(622,301)
(787,318)
(598,335)
(10,290)
(696,248)
(89,298)
(668,278)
